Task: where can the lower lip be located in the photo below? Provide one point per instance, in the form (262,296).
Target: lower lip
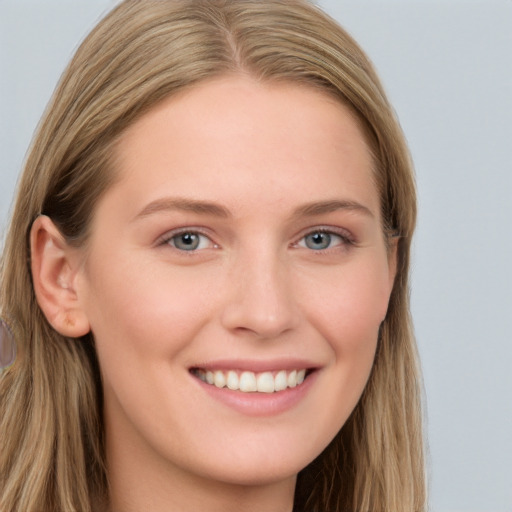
(260,404)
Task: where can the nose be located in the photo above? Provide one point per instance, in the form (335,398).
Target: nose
(260,300)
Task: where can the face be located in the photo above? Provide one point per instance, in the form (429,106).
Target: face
(235,280)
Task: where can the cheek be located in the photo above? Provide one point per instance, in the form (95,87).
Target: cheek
(350,306)
(148,314)
(348,313)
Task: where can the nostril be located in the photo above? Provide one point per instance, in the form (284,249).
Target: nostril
(247,318)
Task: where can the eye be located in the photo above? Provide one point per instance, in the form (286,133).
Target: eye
(321,240)
(189,241)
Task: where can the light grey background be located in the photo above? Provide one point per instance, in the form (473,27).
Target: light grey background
(447,67)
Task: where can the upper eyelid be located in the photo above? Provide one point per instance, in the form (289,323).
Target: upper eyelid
(334,230)
(168,235)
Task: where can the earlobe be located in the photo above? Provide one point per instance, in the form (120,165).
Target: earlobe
(55,266)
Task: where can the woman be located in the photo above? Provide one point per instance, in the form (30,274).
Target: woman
(206,274)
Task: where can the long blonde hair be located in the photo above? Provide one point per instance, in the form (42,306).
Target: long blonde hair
(52,453)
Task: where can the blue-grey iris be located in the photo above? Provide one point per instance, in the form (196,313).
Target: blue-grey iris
(318,241)
(186,241)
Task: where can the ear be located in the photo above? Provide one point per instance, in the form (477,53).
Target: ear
(55,266)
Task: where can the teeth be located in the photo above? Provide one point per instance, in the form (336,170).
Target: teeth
(232,381)
(219,380)
(250,382)
(280,381)
(292,379)
(265,382)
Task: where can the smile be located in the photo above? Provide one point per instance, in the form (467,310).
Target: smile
(251,382)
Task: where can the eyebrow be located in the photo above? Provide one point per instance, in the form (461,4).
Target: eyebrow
(209,208)
(183,204)
(323,207)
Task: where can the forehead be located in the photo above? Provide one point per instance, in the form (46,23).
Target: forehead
(231,135)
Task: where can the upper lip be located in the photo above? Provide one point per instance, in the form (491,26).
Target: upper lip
(257,366)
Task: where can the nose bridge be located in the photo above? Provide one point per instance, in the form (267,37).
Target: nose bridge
(260,299)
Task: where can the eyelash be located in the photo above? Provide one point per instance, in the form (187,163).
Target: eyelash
(345,239)
(168,238)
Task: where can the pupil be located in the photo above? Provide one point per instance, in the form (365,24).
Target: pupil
(318,240)
(187,241)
